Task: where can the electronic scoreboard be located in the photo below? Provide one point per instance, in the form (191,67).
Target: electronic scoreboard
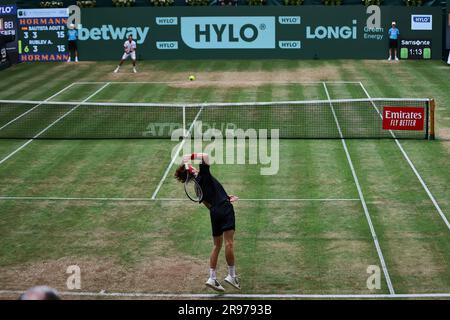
(42,34)
(415,49)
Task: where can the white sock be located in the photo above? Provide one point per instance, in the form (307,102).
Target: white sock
(76,59)
(212,273)
(232,271)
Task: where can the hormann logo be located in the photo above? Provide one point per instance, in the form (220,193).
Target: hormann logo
(332,32)
(109,32)
(228,32)
(403,118)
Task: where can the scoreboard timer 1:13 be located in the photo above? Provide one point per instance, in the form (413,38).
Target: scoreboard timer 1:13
(415,49)
(42,34)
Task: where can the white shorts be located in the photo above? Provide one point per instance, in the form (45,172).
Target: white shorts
(131,54)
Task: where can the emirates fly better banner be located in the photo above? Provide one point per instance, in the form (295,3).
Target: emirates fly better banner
(403,118)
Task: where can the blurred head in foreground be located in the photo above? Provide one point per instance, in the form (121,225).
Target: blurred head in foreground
(40,293)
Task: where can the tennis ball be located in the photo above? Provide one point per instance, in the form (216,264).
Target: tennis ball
(191,77)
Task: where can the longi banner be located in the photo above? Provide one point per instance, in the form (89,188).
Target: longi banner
(403,118)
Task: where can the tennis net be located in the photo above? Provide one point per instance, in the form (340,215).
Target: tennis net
(357,118)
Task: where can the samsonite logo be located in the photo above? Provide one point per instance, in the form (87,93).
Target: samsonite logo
(421,22)
(228,32)
(332,32)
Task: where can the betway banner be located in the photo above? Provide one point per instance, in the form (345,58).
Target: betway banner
(304,32)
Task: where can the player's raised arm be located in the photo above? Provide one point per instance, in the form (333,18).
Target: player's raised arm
(196,156)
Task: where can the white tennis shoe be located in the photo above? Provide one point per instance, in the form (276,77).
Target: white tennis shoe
(233,281)
(215,285)
(134,70)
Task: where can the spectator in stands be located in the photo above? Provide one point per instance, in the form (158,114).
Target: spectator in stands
(393,40)
(40,293)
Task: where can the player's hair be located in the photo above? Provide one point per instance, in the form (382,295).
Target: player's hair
(181,173)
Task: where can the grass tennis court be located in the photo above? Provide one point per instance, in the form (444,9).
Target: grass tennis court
(107,206)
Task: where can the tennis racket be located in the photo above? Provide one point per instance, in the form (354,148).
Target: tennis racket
(191,187)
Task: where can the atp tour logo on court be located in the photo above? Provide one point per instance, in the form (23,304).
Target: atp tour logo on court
(234,146)
(228,32)
(403,118)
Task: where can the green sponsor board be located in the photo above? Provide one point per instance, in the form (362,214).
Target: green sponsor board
(304,32)
(448,24)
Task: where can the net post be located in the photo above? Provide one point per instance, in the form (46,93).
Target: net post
(184,122)
(432,111)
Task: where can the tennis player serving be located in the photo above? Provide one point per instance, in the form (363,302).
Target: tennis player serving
(212,194)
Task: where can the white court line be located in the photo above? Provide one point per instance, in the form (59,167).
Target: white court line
(49,126)
(405,155)
(37,198)
(361,196)
(218,81)
(235,296)
(39,104)
(175,156)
